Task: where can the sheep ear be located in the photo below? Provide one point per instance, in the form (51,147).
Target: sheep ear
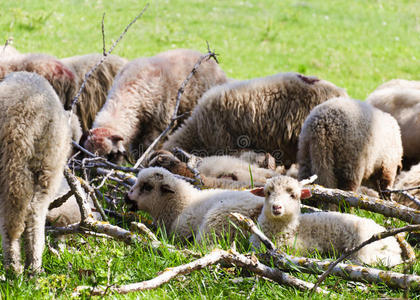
(164,188)
(258,191)
(305,193)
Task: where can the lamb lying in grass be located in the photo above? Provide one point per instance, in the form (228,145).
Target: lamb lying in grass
(325,232)
(182,209)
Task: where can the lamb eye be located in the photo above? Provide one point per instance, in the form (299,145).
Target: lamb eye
(268,193)
(293,196)
(147,187)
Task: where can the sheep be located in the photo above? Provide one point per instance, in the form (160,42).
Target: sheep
(60,77)
(408,179)
(94,95)
(180,208)
(142,99)
(402,101)
(225,172)
(34,145)
(347,142)
(325,232)
(263,114)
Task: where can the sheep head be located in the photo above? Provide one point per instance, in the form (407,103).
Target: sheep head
(153,190)
(282,198)
(104,142)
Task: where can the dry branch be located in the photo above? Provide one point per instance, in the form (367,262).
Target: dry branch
(192,163)
(175,116)
(386,208)
(60,200)
(216,256)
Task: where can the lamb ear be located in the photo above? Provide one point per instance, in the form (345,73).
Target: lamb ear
(164,188)
(258,191)
(305,193)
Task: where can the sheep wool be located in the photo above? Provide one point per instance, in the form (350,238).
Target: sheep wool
(142,99)
(263,114)
(346,142)
(34,144)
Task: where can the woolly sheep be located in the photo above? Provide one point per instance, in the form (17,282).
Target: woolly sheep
(59,76)
(325,232)
(225,172)
(403,103)
(181,208)
(263,114)
(142,99)
(345,142)
(94,95)
(34,144)
(400,83)
(408,179)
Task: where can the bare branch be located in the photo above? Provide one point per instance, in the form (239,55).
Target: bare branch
(405,194)
(386,208)
(60,200)
(103,35)
(192,163)
(91,71)
(175,116)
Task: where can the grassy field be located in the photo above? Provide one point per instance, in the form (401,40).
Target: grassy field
(355,44)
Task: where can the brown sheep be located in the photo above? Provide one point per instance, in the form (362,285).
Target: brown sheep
(263,114)
(142,99)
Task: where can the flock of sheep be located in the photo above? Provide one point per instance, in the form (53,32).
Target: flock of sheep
(280,129)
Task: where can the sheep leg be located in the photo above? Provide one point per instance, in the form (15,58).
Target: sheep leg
(34,235)
(11,252)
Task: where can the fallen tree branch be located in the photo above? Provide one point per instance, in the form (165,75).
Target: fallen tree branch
(386,208)
(60,200)
(374,238)
(405,193)
(214,257)
(175,116)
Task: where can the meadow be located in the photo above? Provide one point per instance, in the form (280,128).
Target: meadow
(355,44)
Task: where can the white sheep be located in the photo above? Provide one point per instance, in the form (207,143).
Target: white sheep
(402,101)
(347,142)
(8,50)
(34,145)
(400,83)
(323,232)
(142,99)
(262,114)
(181,208)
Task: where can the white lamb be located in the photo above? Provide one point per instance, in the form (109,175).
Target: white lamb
(34,144)
(181,208)
(325,232)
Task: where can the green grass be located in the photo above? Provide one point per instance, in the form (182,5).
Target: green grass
(355,44)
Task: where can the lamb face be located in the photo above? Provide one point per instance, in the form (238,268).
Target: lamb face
(152,190)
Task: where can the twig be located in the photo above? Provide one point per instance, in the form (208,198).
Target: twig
(103,35)
(88,74)
(175,116)
(214,257)
(60,200)
(91,193)
(374,238)
(192,163)
(140,227)
(405,194)
(386,208)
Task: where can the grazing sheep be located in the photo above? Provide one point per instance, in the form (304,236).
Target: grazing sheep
(59,76)
(8,51)
(346,142)
(181,208)
(94,95)
(325,232)
(34,145)
(225,172)
(142,100)
(403,103)
(408,179)
(263,114)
